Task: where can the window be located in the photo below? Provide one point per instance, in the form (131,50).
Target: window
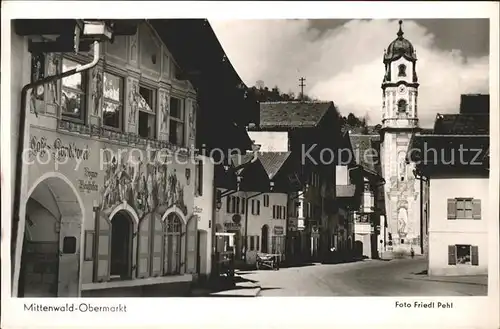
(228,204)
(147,112)
(73,93)
(464,208)
(112,110)
(266,200)
(257,245)
(69,245)
(401,70)
(173,244)
(252,243)
(176,122)
(198,180)
(401,106)
(463,254)
(233,204)
(256,207)
(243,205)
(237,207)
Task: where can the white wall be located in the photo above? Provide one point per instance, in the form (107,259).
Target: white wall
(270,141)
(342,175)
(204,207)
(444,232)
(255,222)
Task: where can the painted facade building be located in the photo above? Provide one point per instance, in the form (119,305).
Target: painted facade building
(399,122)
(456,178)
(111,199)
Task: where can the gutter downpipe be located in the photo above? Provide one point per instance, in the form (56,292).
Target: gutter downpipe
(20,144)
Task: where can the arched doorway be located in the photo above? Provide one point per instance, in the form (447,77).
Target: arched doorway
(121,245)
(173,240)
(265,239)
(50,257)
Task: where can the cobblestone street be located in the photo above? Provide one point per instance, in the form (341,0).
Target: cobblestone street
(368,278)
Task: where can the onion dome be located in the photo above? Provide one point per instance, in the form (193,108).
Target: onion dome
(400,47)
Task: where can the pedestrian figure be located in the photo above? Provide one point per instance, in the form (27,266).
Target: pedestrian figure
(412,252)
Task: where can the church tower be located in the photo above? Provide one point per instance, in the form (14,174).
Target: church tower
(399,122)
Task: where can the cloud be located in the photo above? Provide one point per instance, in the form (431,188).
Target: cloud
(344,64)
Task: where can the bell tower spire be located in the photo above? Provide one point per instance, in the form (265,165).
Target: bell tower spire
(400,84)
(399,122)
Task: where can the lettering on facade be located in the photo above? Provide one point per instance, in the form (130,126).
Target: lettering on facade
(278,230)
(88,184)
(197,210)
(40,146)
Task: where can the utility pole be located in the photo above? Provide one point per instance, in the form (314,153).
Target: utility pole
(302,85)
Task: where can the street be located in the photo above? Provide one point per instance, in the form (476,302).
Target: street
(367,278)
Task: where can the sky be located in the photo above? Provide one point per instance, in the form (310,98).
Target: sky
(342,59)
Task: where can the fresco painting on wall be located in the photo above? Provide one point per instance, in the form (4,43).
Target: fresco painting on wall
(165,110)
(134,100)
(97,90)
(146,187)
(53,68)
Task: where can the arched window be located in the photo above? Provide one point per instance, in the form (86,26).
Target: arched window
(401,70)
(402,106)
(173,240)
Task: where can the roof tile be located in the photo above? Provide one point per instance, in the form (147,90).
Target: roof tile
(292,114)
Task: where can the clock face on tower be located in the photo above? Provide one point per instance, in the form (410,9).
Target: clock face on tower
(401,89)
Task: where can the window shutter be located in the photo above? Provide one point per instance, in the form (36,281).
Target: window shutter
(228,204)
(452,259)
(157,246)
(89,252)
(233,204)
(243,205)
(103,248)
(476,209)
(143,245)
(474,255)
(191,244)
(452,208)
(200,178)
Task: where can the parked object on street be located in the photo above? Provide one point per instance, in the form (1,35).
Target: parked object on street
(270,261)
(224,254)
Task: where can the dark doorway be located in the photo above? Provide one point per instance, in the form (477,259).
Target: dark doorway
(358,249)
(265,239)
(121,238)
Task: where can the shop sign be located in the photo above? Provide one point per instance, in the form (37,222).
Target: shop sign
(232,226)
(278,230)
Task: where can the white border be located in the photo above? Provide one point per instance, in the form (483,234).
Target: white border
(370,312)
